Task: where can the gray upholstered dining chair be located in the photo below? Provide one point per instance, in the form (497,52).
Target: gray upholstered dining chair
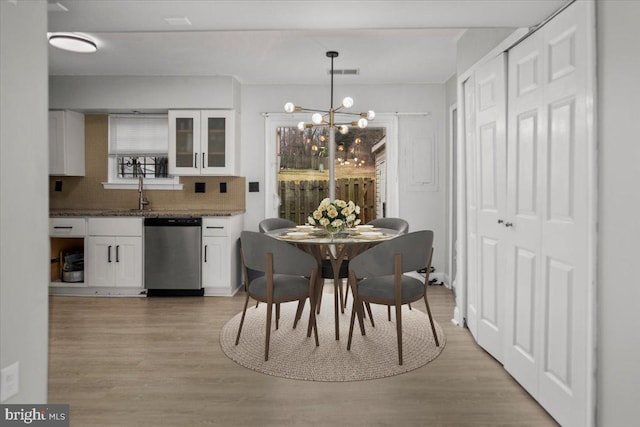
(269,224)
(397,224)
(401,226)
(377,277)
(264,226)
(289,275)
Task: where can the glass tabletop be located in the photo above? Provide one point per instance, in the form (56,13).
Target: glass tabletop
(319,236)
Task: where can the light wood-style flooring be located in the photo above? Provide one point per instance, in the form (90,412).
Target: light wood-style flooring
(157,362)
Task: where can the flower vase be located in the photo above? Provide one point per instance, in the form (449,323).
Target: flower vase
(333,231)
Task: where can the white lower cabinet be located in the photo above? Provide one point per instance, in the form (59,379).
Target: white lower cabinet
(220,255)
(114,252)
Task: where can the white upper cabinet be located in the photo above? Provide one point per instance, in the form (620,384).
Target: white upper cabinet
(202,142)
(66,143)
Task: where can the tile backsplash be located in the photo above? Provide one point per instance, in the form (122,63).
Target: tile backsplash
(87,192)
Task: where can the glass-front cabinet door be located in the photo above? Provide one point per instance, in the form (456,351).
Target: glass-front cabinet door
(218,142)
(201,142)
(184,143)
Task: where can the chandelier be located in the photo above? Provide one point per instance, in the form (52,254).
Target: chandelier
(333,118)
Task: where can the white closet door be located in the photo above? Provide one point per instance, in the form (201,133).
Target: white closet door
(547,339)
(565,228)
(471,206)
(527,122)
(490,179)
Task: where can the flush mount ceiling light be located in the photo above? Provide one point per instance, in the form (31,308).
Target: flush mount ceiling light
(73,42)
(330,118)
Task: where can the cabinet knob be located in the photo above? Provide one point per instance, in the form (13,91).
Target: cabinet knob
(508,224)
(501,221)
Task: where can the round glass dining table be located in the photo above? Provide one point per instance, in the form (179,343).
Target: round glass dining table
(337,248)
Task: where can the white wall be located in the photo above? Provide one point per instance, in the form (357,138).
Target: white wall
(618,370)
(148,93)
(423,210)
(24,225)
(477,42)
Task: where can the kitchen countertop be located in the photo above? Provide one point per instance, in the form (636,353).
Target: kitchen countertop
(61,213)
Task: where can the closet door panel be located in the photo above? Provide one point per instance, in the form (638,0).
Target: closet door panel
(524,192)
(491,193)
(471,206)
(564,241)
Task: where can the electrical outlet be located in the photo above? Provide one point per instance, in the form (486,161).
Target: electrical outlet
(10,381)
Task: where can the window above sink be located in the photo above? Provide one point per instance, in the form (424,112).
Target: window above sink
(138,146)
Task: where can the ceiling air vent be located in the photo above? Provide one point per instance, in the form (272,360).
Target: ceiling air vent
(345,72)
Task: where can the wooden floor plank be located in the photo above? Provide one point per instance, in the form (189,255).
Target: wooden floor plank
(158,362)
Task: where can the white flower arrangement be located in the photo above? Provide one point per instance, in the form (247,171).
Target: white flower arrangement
(335,215)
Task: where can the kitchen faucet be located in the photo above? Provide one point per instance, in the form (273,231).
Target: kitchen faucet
(142,201)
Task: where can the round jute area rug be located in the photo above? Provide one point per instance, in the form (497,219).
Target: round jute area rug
(293,355)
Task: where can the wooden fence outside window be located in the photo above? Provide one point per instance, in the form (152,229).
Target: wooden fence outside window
(298,199)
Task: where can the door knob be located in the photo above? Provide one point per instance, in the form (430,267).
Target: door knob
(508,224)
(501,221)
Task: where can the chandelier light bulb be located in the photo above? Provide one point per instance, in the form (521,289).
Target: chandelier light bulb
(301,125)
(347,102)
(289,107)
(362,123)
(371,115)
(343,129)
(316,118)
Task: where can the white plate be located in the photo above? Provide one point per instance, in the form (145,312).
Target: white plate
(304,227)
(297,233)
(360,227)
(371,233)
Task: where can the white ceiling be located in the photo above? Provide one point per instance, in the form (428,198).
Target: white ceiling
(281,42)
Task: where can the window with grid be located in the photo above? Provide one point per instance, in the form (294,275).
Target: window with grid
(139,147)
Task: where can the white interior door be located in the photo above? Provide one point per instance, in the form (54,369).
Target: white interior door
(490,90)
(470,205)
(547,320)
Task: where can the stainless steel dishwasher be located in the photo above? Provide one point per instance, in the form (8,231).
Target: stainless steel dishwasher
(172,260)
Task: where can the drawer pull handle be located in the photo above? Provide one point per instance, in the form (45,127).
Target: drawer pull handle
(215,227)
(109,254)
(118,253)
(64,227)
(205,253)
(195,160)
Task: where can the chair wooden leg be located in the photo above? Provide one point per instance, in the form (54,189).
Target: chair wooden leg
(319,293)
(268,332)
(257,302)
(312,322)
(389,313)
(433,327)
(360,314)
(353,318)
(244,312)
(298,313)
(277,316)
(399,331)
(368,307)
(410,306)
(346,295)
